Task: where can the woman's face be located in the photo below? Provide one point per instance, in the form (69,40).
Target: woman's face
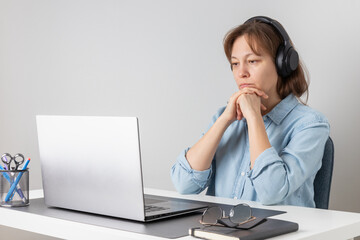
(251,70)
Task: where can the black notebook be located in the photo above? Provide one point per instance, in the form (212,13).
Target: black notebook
(267,229)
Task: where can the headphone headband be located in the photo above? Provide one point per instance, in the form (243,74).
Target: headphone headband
(273,23)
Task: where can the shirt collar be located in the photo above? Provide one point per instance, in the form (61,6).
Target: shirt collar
(282,109)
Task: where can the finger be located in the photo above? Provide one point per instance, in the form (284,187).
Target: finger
(233,100)
(257,91)
(235,96)
(263,107)
(239,117)
(238,111)
(260,93)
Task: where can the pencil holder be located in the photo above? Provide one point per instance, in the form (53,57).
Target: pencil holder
(14,188)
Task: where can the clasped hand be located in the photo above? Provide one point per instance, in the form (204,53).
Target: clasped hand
(245,103)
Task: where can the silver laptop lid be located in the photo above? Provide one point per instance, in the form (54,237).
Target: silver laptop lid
(92,164)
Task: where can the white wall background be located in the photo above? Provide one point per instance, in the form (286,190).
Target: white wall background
(163,61)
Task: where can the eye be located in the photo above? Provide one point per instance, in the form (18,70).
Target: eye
(234,64)
(253,61)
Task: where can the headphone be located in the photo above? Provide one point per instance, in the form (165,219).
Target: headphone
(287,59)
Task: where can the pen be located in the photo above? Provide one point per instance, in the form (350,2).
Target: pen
(13,186)
(5,174)
(18,189)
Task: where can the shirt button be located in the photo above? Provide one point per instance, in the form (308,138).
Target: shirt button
(242,173)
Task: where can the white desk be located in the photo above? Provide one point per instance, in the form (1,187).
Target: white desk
(313,223)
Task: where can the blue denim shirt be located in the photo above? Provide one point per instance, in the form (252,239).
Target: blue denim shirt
(282,174)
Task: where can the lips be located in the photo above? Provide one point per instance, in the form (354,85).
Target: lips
(244,85)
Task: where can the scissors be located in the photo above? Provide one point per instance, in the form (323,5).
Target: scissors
(18,159)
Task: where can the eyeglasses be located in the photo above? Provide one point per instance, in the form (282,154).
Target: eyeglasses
(238,215)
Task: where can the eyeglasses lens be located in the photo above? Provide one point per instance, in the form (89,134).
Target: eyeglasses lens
(240,213)
(211,215)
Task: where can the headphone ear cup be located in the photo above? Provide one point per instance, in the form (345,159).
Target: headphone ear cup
(287,60)
(279,61)
(292,60)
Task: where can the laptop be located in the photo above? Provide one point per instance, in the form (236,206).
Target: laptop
(93,164)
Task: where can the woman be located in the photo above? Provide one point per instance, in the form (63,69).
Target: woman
(265,145)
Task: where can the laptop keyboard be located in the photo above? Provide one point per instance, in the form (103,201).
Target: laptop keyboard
(152,208)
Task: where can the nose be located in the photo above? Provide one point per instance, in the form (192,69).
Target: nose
(242,71)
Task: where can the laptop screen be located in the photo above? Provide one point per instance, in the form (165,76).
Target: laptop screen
(92,164)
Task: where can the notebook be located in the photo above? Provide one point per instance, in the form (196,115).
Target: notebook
(93,164)
(264,230)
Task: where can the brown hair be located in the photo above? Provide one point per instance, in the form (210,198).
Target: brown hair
(262,37)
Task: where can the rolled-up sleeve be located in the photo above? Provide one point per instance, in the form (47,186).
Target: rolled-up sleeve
(187,180)
(276,174)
